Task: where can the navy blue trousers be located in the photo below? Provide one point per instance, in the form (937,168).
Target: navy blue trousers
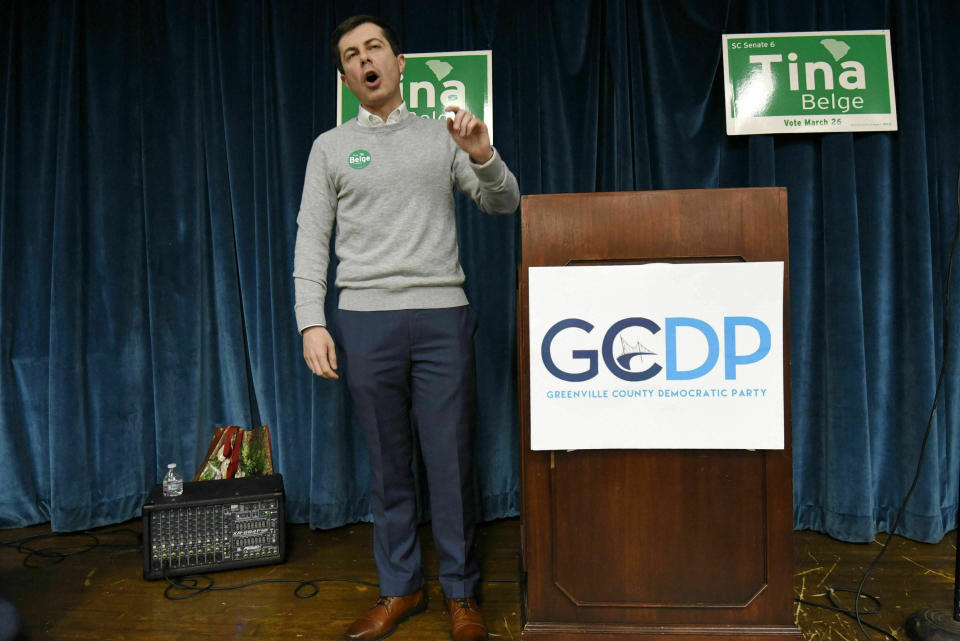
(417,363)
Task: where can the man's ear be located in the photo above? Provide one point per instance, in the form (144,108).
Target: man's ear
(402,61)
(343,78)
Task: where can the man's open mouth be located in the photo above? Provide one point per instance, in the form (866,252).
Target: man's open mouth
(370,78)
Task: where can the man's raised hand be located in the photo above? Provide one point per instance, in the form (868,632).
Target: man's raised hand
(470,133)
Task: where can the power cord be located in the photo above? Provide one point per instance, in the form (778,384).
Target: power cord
(856,613)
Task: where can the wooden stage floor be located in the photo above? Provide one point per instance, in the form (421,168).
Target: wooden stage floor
(100,594)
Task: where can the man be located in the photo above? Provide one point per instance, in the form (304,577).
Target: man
(385,180)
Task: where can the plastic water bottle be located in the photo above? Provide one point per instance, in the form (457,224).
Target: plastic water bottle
(172,482)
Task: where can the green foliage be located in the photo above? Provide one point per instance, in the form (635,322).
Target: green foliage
(253,460)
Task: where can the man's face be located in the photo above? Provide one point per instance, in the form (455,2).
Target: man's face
(370,68)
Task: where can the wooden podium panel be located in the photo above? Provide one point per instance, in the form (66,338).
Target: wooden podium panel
(650,544)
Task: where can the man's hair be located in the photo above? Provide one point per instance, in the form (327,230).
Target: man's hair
(352,23)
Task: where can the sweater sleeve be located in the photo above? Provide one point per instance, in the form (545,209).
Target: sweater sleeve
(491,185)
(318,211)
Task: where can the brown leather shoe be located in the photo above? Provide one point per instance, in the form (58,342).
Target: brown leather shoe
(466,622)
(382,619)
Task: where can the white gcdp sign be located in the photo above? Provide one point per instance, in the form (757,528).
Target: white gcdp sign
(657,356)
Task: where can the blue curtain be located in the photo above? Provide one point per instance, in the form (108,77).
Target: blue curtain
(151,163)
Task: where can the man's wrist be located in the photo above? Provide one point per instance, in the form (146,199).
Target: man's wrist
(309,327)
(486,159)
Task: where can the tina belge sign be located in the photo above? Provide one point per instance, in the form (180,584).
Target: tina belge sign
(431,82)
(808,82)
(657,356)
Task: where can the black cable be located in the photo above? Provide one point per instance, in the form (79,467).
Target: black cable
(857,612)
(835,607)
(55,554)
(933,409)
(191,585)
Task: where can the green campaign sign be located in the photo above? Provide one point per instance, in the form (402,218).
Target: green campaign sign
(433,81)
(809,82)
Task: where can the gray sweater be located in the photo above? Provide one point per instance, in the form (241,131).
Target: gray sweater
(389,190)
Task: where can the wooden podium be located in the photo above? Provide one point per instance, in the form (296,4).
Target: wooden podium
(658,545)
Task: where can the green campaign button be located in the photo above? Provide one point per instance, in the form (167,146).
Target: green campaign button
(359,159)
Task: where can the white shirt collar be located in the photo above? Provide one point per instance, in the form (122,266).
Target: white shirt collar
(367,119)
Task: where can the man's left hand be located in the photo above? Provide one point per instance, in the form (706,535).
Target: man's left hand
(470,134)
